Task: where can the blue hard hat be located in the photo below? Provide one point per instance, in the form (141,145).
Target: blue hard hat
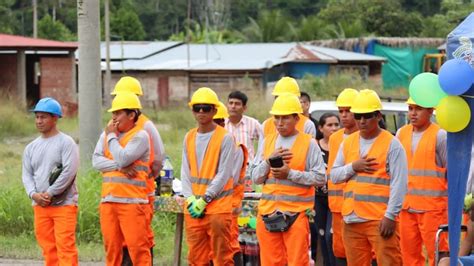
(48,105)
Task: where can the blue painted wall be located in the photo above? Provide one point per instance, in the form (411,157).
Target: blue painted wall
(298,70)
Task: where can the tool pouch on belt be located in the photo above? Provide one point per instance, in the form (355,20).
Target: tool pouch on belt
(279,222)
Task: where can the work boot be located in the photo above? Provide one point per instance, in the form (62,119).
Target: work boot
(126,260)
(238,259)
(341,262)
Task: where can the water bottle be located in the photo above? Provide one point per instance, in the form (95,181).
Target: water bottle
(166,176)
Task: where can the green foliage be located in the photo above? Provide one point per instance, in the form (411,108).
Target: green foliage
(53,30)
(7,18)
(452,13)
(197,34)
(15,122)
(126,24)
(271,26)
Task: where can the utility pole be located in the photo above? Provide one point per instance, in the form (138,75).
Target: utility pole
(107,79)
(90,93)
(35,19)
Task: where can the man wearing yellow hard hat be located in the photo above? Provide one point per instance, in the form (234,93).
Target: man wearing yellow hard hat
(344,102)
(373,165)
(426,203)
(206,175)
(132,85)
(289,85)
(122,154)
(289,164)
(238,174)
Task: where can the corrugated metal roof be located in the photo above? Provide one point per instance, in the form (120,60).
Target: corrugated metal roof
(9,42)
(245,56)
(134,50)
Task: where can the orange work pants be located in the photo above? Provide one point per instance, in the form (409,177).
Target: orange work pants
(208,239)
(149,215)
(55,229)
(418,229)
(234,234)
(121,223)
(284,248)
(360,239)
(337,243)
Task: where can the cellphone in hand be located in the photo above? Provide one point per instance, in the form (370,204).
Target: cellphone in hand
(276,162)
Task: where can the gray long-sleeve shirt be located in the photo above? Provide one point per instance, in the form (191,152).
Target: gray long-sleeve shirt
(41,156)
(137,149)
(396,167)
(314,173)
(158,147)
(237,164)
(224,167)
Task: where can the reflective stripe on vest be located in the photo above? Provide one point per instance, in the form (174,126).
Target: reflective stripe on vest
(285,195)
(270,128)
(201,178)
(367,194)
(427,183)
(335,191)
(116,185)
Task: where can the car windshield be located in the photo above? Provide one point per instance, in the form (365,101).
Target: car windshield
(395,114)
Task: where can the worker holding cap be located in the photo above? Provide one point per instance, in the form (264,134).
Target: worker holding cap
(122,154)
(373,165)
(288,164)
(50,164)
(206,175)
(304,124)
(426,203)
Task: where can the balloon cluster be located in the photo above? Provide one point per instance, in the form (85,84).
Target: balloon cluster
(442,92)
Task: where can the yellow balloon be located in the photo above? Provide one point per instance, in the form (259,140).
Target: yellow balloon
(453,114)
(241,221)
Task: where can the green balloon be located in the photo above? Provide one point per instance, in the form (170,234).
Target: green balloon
(425,90)
(253,223)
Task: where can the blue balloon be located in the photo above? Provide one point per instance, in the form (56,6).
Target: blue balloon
(456,76)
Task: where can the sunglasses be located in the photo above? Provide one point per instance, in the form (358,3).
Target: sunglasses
(206,108)
(365,116)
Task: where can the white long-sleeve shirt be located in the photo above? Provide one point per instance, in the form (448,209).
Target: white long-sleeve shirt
(396,167)
(41,156)
(224,167)
(158,147)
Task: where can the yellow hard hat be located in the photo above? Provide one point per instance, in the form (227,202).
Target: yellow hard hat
(125,100)
(367,101)
(286,104)
(346,97)
(128,84)
(205,96)
(410,101)
(286,85)
(221,112)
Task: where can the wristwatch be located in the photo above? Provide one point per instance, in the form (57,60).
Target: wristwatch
(207,199)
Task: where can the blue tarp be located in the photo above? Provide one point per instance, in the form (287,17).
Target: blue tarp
(459,45)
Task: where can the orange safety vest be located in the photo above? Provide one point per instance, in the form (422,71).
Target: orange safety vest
(366,194)
(427,183)
(238,194)
(201,178)
(284,194)
(270,128)
(116,184)
(335,191)
(150,181)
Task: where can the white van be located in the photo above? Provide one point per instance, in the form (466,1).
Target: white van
(395,114)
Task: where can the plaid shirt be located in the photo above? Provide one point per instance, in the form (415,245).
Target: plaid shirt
(246,132)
